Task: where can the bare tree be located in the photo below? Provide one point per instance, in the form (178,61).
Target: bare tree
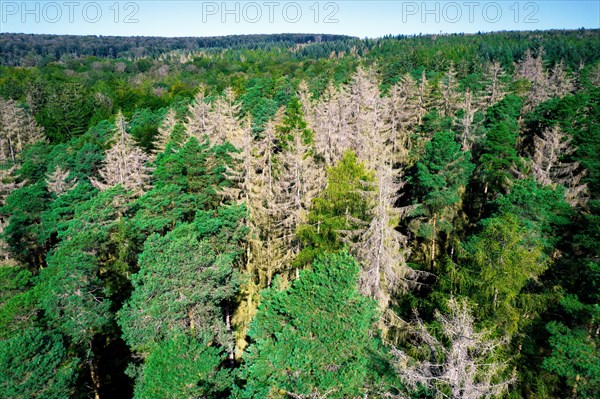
(559,82)
(223,120)
(381,249)
(300,179)
(164,131)
(464,368)
(124,164)
(448,88)
(402,115)
(197,122)
(369,128)
(308,106)
(532,69)
(466,122)
(424,96)
(331,127)
(549,169)
(58,181)
(495,88)
(17,129)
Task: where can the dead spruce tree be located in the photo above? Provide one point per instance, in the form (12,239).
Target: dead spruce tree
(532,69)
(331,128)
(495,89)
(8,183)
(17,129)
(559,82)
(448,89)
(368,126)
(124,163)
(548,168)
(381,249)
(269,252)
(58,181)
(299,180)
(402,115)
(223,120)
(423,96)
(462,366)
(466,122)
(197,122)
(164,131)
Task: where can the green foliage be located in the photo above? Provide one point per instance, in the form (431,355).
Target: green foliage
(70,292)
(499,153)
(499,263)
(575,358)
(17,301)
(34,364)
(315,337)
(339,208)
(182,368)
(442,172)
(180,288)
(25,234)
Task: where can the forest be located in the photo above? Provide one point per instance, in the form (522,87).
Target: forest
(300,216)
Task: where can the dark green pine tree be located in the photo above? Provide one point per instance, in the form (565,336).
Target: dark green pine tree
(315,338)
(34,364)
(441,176)
(178,316)
(499,154)
(183,368)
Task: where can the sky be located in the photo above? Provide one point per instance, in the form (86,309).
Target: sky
(360,18)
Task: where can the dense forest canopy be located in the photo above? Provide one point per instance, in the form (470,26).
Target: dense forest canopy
(300,216)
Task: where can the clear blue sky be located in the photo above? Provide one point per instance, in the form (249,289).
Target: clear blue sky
(352,17)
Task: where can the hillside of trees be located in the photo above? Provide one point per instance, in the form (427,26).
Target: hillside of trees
(300,216)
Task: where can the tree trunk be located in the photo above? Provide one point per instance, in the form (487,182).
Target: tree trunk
(433,240)
(95,376)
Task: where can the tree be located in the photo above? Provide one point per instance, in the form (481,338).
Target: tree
(34,364)
(369,130)
(181,368)
(197,124)
(182,286)
(495,90)
(17,129)
(299,177)
(165,130)
(500,262)
(312,338)
(381,249)
(549,168)
(449,91)
(462,365)
(575,358)
(125,164)
(441,175)
(532,69)
(403,115)
(331,125)
(499,154)
(57,182)
(223,119)
(339,211)
(466,122)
